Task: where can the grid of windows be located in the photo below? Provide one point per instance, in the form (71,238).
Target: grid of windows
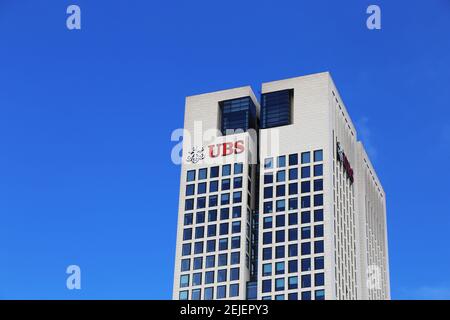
(292,229)
(237,114)
(212,233)
(276,109)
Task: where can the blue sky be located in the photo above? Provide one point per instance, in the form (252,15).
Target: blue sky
(86,117)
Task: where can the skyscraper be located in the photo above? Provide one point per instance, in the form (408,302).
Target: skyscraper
(278,199)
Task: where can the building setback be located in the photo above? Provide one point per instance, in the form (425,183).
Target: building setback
(278,198)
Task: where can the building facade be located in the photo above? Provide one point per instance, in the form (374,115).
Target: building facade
(278,199)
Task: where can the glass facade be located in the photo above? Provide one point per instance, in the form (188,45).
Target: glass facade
(276,109)
(237,115)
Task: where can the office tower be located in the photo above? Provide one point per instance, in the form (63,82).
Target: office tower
(278,199)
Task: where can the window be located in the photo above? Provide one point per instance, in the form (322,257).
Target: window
(268,178)
(293,159)
(187,234)
(201,188)
(306,172)
(222,259)
(214,172)
(293,249)
(281,190)
(293,174)
(213,186)
(225,198)
(184,281)
(279,297)
(319,279)
(210,245)
(237,197)
(223,244)
(267,269)
(279,268)
(198,263)
(293,235)
(306,187)
(201,202)
(213,201)
(279,284)
(202,174)
(198,247)
(268,207)
(183,295)
(276,108)
(188,219)
(196,293)
(293,188)
(318,170)
(267,237)
(234,274)
(237,212)
(306,232)
(293,219)
(197,279)
(280,220)
(223,228)
(305,202)
(237,182)
(306,248)
(185,264)
(318,185)
(318,231)
(306,264)
(281,161)
(318,155)
(319,263)
(306,281)
(293,296)
(267,253)
(238,168)
(222,275)
(209,293)
(267,222)
(236,227)
(235,258)
(292,282)
(320,295)
(210,262)
(306,217)
(190,189)
(306,157)
(190,176)
(226,170)
(221,292)
(318,246)
(189,204)
(279,236)
(200,217)
(266,286)
(225,184)
(318,200)
(318,215)
(235,242)
(279,252)
(186,249)
(268,163)
(280,205)
(199,232)
(224,213)
(212,215)
(292,266)
(268,192)
(281,176)
(234,290)
(306,295)
(237,115)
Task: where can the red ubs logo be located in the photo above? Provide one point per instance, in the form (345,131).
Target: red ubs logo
(226,148)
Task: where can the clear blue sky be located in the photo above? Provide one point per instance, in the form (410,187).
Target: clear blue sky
(86,118)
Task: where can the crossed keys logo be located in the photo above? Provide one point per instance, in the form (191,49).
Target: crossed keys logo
(196,154)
